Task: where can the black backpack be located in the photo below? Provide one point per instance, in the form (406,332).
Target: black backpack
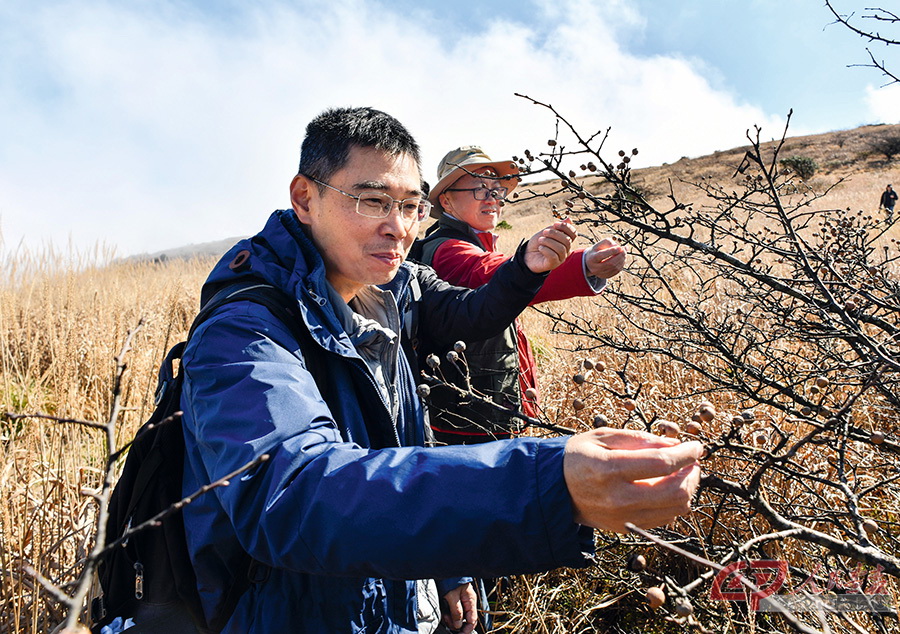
(152,566)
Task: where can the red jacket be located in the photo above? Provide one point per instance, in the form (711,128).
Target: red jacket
(464,264)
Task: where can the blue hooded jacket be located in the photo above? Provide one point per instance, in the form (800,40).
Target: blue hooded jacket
(351,508)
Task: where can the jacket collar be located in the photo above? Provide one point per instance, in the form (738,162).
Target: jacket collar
(486,239)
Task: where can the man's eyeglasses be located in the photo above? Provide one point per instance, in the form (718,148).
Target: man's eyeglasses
(483,193)
(378,204)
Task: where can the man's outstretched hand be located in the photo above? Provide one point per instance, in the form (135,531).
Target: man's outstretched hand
(616,476)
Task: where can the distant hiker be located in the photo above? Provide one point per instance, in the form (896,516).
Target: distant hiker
(467,201)
(352,516)
(888,200)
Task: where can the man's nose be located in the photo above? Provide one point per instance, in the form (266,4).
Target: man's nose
(394,224)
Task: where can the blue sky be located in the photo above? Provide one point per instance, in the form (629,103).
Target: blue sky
(150,124)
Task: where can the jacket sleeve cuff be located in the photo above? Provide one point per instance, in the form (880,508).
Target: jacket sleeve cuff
(571,544)
(597,284)
(519,260)
(446,585)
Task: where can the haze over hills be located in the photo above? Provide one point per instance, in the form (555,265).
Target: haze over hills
(866,158)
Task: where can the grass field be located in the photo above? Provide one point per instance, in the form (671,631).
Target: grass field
(64,318)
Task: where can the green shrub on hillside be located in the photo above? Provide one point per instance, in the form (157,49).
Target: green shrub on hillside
(802,166)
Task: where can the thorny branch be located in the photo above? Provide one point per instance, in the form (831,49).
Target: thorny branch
(787,313)
(75,600)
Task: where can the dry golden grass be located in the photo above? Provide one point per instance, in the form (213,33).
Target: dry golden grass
(63,320)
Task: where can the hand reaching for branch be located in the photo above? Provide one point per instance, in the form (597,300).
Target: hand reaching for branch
(605,259)
(616,476)
(549,247)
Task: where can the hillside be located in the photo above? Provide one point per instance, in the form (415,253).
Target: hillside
(864,159)
(856,156)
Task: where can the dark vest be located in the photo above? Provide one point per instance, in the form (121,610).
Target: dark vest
(493,364)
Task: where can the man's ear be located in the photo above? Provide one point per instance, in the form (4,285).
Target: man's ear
(301,192)
(444,199)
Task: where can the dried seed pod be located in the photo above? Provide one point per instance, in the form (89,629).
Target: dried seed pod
(668,428)
(578,405)
(600,421)
(531,394)
(599,366)
(870,526)
(805,410)
(588,364)
(655,596)
(877,437)
(822,382)
(578,379)
(571,173)
(693,428)
(452,356)
(695,417)
(423,390)
(551,142)
(432,361)
(738,421)
(637,562)
(814,390)
(621,152)
(707,414)
(629,404)
(683,607)
(460,346)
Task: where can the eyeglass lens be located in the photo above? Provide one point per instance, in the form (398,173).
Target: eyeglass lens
(378,205)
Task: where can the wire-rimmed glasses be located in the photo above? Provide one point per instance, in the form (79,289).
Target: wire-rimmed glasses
(482,193)
(375,204)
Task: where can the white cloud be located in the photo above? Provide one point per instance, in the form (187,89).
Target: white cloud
(883,103)
(151,125)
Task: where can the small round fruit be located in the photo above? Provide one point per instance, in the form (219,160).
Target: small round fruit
(738,421)
(460,346)
(870,526)
(668,428)
(655,596)
(748,414)
(423,390)
(822,381)
(600,421)
(432,361)
(599,366)
(531,394)
(452,356)
(578,379)
(693,428)
(636,563)
(588,364)
(707,414)
(578,405)
(877,437)
(629,404)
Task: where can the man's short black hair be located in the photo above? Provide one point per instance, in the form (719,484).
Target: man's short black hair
(329,137)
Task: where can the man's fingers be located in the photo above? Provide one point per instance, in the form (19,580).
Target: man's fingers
(612,438)
(644,464)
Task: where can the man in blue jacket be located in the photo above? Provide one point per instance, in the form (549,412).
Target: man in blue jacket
(352,509)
